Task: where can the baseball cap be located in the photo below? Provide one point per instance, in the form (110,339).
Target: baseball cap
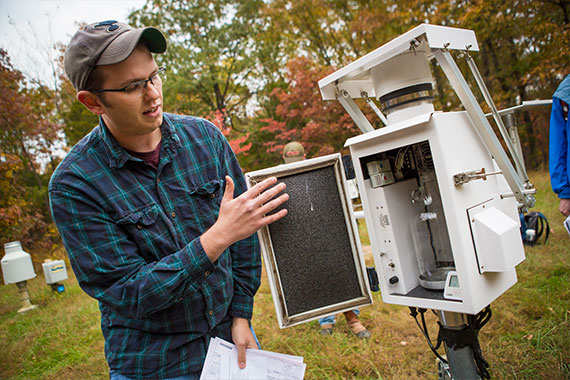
(293,152)
(106,43)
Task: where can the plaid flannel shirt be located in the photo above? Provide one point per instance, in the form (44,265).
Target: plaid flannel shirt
(132,233)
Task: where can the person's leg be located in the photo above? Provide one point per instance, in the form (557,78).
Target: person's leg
(354,324)
(330,320)
(327,324)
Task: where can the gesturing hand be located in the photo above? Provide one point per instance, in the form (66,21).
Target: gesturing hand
(242,216)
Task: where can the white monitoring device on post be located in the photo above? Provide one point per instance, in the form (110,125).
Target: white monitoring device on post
(439,193)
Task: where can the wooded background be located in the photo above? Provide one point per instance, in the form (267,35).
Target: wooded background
(252,67)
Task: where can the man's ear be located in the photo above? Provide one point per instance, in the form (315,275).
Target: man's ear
(91,102)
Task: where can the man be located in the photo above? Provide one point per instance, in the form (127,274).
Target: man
(140,204)
(559,152)
(293,152)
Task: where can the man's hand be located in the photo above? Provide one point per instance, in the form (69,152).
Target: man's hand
(564,206)
(243,338)
(244,215)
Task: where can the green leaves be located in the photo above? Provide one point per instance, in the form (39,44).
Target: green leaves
(209,53)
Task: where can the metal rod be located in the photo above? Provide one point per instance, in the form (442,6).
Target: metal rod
(510,195)
(375,108)
(482,126)
(525,104)
(511,125)
(481,83)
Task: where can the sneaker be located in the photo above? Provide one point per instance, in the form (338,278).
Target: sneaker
(327,329)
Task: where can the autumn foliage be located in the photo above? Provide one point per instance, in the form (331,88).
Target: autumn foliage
(239,144)
(26,137)
(301,115)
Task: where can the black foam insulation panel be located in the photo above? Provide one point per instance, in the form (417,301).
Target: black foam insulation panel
(311,244)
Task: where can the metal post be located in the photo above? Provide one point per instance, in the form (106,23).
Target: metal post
(461,361)
(24,297)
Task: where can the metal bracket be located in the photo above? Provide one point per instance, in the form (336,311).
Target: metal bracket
(353,110)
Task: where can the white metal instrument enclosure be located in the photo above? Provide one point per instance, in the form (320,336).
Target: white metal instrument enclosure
(16,264)
(440,194)
(455,148)
(54,271)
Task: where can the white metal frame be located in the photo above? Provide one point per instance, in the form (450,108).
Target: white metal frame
(272,269)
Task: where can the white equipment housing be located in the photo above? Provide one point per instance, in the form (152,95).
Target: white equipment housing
(16,264)
(483,232)
(439,193)
(54,271)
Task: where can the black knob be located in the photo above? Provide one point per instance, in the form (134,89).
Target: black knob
(393,280)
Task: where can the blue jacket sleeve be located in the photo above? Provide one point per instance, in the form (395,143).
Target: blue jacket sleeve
(559,160)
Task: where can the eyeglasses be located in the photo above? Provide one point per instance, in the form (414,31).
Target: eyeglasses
(157,79)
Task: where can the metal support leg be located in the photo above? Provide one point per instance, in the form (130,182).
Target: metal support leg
(483,127)
(24,297)
(354,112)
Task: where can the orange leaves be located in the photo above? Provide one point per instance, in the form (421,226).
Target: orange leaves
(302,115)
(220,119)
(238,145)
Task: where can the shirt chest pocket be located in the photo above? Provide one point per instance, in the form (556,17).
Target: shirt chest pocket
(202,204)
(209,190)
(143,227)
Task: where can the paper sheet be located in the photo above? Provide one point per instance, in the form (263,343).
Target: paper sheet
(221,364)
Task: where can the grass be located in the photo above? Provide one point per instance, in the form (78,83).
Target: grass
(61,339)
(528,336)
